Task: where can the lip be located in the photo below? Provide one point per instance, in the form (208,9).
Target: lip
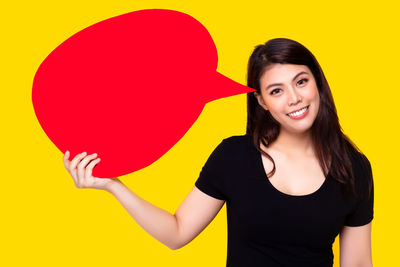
(297,109)
(302,115)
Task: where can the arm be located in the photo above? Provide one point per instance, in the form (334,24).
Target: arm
(355,246)
(193,215)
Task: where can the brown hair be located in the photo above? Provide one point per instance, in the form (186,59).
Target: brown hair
(333,148)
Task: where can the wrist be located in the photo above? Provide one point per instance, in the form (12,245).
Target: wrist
(113,185)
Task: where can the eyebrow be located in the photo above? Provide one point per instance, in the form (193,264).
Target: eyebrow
(294,78)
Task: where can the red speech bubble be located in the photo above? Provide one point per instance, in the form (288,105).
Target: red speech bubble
(128,88)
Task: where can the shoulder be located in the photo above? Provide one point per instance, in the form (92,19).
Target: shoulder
(360,163)
(233,148)
(362,172)
(237,141)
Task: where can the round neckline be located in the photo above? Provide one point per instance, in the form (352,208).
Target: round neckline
(265,177)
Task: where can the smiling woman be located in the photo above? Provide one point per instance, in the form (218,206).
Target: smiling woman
(293,124)
(291,184)
(296,98)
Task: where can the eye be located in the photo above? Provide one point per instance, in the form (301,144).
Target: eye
(275,91)
(302,81)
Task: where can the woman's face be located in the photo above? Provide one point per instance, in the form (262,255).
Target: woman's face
(289,92)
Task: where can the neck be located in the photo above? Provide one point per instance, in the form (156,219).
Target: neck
(294,144)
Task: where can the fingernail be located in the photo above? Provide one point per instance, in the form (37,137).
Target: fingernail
(84,153)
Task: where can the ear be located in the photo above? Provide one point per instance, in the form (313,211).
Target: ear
(260,100)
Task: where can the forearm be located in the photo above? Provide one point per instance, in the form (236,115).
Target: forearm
(159,223)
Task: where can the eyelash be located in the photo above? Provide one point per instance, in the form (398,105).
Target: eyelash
(272,92)
(305,80)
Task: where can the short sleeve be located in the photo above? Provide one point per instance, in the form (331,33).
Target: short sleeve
(211,178)
(363,211)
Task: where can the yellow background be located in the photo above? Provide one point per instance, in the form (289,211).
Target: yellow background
(46,221)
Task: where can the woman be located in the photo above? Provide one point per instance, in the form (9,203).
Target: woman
(291,184)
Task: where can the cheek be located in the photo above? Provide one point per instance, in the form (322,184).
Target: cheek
(316,95)
(277,111)
(316,99)
(313,94)
(275,106)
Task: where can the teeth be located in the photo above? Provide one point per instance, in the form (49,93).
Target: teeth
(297,113)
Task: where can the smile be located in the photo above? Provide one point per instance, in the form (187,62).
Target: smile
(298,113)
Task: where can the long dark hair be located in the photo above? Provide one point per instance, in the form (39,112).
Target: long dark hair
(333,148)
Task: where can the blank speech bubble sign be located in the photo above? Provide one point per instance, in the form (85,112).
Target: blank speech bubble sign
(128,88)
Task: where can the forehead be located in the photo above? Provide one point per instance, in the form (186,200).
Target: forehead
(282,73)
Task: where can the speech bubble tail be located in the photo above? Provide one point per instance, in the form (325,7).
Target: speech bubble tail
(225,87)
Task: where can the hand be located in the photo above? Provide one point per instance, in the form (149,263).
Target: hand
(81,171)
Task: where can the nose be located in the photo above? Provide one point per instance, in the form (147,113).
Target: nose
(293,97)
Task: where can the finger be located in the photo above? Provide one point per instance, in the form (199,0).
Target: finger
(67,164)
(66,155)
(65,159)
(76,160)
(89,168)
(73,170)
(82,165)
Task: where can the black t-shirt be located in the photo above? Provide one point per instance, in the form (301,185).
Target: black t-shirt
(267,227)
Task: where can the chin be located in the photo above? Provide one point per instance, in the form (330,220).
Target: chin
(298,130)
(301,131)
